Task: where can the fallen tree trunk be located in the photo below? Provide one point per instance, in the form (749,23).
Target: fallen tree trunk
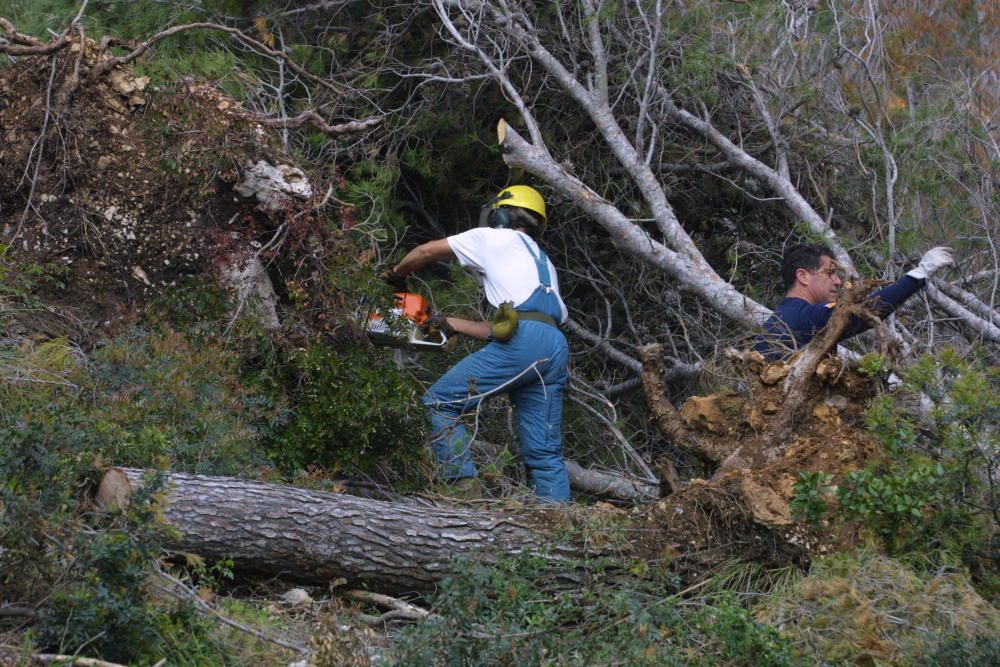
(315,537)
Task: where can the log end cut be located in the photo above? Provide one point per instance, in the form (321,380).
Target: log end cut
(114,490)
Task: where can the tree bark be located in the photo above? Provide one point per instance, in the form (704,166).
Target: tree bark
(315,537)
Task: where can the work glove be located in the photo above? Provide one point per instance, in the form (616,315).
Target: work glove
(396,281)
(933,259)
(438,322)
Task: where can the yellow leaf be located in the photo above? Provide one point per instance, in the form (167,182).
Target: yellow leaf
(265,35)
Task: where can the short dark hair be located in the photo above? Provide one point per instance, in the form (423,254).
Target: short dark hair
(522,217)
(802,256)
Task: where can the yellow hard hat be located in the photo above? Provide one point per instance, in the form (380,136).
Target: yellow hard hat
(522,196)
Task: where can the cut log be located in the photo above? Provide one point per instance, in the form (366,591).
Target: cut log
(315,537)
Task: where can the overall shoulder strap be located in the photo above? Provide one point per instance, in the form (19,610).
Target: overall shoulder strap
(541,263)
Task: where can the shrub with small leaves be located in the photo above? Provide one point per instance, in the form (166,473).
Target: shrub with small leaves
(351,407)
(811,493)
(936,491)
(515,613)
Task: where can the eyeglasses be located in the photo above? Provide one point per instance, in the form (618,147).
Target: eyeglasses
(831,272)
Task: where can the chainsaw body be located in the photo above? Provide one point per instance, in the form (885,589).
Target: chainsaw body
(402,326)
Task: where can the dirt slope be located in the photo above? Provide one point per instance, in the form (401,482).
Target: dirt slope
(118,191)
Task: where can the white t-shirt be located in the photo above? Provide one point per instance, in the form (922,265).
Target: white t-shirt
(501,263)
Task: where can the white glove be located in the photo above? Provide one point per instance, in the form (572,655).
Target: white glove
(933,259)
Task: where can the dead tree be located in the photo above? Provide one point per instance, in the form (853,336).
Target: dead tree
(317,537)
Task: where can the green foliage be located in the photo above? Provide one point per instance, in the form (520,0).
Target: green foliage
(193,306)
(351,407)
(894,502)
(102,604)
(873,365)
(39,470)
(146,399)
(811,492)
(936,488)
(23,284)
(163,401)
(91,583)
(512,614)
(934,494)
(963,652)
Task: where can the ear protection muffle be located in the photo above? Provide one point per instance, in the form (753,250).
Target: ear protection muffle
(499,218)
(493,215)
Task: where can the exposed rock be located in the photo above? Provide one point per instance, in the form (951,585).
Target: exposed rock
(774,373)
(255,295)
(767,506)
(272,186)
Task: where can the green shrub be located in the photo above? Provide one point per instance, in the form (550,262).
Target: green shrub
(87,579)
(352,407)
(934,494)
(936,490)
(40,469)
(811,492)
(161,400)
(964,652)
(516,613)
(102,603)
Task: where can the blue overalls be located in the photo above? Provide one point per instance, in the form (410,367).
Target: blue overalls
(531,369)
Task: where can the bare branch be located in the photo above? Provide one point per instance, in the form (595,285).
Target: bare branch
(313,118)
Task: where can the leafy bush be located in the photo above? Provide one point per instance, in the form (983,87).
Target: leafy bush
(515,613)
(351,407)
(90,584)
(811,491)
(103,603)
(39,471)
(162,400)
(935,492)
(937,489)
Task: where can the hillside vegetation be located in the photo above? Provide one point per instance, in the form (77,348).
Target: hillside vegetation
(198,200)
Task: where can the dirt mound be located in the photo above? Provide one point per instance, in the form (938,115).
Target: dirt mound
(743,512)
(123,190)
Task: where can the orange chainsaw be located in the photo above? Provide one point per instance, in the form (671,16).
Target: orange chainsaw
(402,325)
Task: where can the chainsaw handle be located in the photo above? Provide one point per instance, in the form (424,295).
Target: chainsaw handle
(417,340)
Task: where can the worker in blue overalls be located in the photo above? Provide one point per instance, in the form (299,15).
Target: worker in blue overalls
(528,364)
(812,281)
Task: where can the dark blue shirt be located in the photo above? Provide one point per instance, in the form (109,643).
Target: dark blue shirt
(796,321)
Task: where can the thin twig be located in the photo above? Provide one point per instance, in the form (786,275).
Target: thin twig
(182,591)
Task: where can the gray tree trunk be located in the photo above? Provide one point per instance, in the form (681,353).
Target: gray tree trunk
(315,537)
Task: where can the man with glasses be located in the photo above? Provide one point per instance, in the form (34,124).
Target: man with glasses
(812,281)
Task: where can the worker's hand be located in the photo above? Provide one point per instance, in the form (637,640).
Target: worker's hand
(933,259)
(438,322)
(396,281)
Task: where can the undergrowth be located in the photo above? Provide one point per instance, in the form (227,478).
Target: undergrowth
(518,613)
(933,498)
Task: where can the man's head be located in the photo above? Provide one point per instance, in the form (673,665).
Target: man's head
(810,273)
(518,207)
